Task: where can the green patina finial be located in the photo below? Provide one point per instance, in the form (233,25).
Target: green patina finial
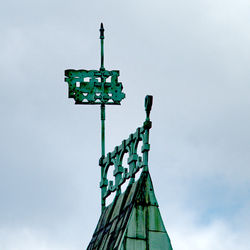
(101,31)
(102,87)
(102,50)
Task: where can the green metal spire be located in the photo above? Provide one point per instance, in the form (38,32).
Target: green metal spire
(102,87)
(102,105)
(96,87)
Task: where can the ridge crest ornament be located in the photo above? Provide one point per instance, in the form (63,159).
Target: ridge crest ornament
(132,220)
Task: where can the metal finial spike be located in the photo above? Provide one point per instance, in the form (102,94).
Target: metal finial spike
(101,31)
(102,50)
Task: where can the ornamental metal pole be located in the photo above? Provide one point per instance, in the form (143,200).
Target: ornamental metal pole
(96,87)
(103,150)
(102,105)
(103,129)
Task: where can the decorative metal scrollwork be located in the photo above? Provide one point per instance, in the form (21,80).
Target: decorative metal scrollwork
(94,86)
(135,161)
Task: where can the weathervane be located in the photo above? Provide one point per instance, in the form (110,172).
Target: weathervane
(96,87)
(102,87)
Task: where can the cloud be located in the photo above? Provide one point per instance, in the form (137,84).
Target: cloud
(28,239)
(192,56)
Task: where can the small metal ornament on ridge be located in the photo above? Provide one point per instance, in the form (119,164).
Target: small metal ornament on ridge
(102,87)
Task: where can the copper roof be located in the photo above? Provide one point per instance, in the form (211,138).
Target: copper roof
(114,220)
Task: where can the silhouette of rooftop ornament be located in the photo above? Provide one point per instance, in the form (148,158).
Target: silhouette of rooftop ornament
(132,220)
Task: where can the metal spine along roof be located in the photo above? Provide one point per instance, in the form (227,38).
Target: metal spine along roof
(132,221)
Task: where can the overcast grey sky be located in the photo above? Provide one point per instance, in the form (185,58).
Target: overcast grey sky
(192,56)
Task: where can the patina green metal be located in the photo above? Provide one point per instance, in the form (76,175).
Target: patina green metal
(102,50)
(135,162)
(132,221)
(96,87)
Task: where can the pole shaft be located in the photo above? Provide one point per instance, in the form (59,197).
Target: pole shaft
(102,117)
(102,55)
(103,129)
(103,152)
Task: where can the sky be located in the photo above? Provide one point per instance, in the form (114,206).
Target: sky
(192,56)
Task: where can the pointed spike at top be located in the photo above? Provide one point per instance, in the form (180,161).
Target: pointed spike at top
(102,50)
(148,105)
(101,31)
